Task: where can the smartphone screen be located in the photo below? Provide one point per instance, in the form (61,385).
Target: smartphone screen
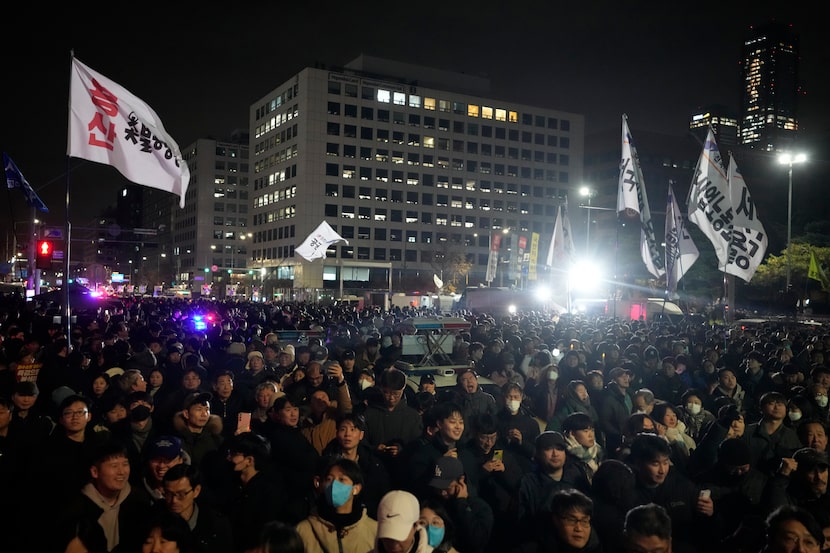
(498,455)
(243,422)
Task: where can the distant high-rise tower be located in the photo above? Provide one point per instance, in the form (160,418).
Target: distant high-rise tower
(723,123)
(769,88)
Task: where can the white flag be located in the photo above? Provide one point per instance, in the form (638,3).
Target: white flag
(681,252)
(749,240)
(567,235)
(632,199)
(710,206)
(109,125)
(438,282)
(315,246)
(561,244)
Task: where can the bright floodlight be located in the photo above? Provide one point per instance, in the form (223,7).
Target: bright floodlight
(791,159)
(542,293)
(585,276)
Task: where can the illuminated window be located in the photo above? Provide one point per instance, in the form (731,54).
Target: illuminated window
(399,98)
(472,110)
(414,101)
(429,103)
(443,105)
(513,117)
(501,115)
(384,96)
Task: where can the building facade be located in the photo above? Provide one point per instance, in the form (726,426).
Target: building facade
(414,167)
(770,88)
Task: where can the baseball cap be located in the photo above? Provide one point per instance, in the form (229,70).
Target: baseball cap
(348,354)
(398,511)
(167,447)
(320,353)
(809,458)
(427,379)
(201,398)
(617,372)
(550,439)
(447,470)
(26,388)
(175,347)
(773,396)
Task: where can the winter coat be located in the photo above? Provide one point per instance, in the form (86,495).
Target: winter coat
(199,444)
(321,536)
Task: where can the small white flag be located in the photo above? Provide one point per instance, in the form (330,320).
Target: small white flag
(315,246)
(438,282)
(681,252)
(109,125)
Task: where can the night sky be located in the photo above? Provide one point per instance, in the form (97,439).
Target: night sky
(200,68)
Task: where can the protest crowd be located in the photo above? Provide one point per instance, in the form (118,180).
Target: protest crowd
(139,430)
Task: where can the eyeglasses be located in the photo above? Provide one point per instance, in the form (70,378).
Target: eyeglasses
(573,521)
(181,496)
(73,414)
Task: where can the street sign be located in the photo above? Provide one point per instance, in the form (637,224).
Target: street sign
(53,233)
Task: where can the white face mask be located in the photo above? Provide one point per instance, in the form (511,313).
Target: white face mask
(822,401)
(794,415)
(553,375)
(365,383)
(513,405)
(693,408)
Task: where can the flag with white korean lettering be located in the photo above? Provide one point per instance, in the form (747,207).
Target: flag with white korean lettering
(316,244)
(632,199)
(709,202)
(749,240)
(681,252)
(15,179)
(109,125)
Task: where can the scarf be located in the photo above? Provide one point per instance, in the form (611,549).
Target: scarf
(109,515)
(587,455)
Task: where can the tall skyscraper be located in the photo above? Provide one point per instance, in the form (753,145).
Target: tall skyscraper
(769,101)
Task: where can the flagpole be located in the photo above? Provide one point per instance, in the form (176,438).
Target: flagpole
(67,245)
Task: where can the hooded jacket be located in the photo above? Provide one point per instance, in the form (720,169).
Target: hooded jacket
(321,536)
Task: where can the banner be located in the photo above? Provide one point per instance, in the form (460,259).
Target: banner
(534,256)
(748,244)
(316,243)
(632,199)
(109,125)
(709,203)
(15,180)
(681,252)
(493,259)
(816,272)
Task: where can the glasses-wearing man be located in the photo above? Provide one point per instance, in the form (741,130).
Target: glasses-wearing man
(570,512)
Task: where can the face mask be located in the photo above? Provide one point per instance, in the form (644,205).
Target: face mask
(822,401)
(794,415)
(338,493)
(553,375)
(513,405)
(693,408)
(365,384)
(435,535)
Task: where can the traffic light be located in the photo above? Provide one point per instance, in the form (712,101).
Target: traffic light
(44,254)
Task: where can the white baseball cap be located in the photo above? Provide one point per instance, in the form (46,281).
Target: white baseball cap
(398,512)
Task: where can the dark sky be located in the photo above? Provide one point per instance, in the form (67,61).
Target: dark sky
(201,68)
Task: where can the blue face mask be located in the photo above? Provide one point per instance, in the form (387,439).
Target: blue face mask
(435,535)
(338,493)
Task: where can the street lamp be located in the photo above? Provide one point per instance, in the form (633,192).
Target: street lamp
(588,193)
(790,160)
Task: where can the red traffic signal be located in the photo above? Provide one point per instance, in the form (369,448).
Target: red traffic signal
(44,254)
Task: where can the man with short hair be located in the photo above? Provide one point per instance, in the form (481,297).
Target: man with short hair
(104,515)
(801,481)
(392,424)
(615,407)
(472,399)
(792,530)
(657,481)
(551,473)
(161,454)
(813,433)
(647,528)
(182,486)
(769,439)
(200,431)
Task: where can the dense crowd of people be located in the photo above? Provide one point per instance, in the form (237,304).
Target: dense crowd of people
(204,427)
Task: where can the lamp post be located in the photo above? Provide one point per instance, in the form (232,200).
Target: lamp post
(588,193)
(790,160)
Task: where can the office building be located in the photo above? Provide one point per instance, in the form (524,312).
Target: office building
(723,122)
(413,166)
(769,79)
